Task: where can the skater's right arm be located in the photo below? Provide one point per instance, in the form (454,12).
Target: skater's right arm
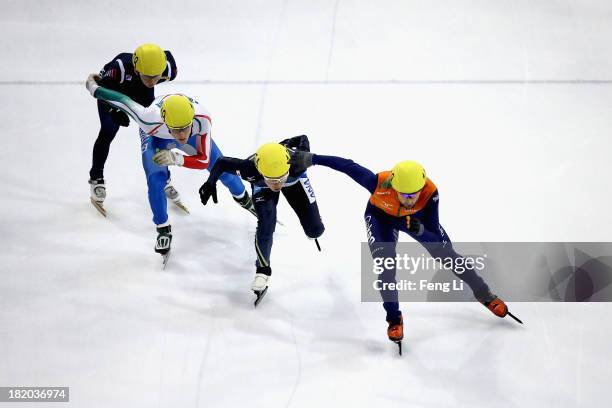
(360,174)
(147,118)
(222,165)
(225,165)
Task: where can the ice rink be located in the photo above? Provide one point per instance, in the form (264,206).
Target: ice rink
(505,103)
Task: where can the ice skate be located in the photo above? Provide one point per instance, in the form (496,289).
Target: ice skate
(173,195)
(497,306)
(246,202)
(97,194)
(316,241)
(395,331)
(162,244)
(260,286)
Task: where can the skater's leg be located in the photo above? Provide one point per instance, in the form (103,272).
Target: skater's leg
(444,249)
(382,240)
(301,198)
(156,177)
(108,130)
(265,201)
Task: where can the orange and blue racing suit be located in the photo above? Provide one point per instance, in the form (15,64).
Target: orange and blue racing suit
(385,217)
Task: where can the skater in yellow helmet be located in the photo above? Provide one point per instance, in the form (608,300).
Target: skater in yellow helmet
(134,75)
(175,130)
(403,199)
(271,171)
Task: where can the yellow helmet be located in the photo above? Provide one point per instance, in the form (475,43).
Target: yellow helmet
(408,177)
(271,160)
(177,111)
(149,59)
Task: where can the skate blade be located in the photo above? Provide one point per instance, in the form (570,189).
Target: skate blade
(98,206)
(399,345)
(514,317)
(181,206)
(165,258)
(260,295)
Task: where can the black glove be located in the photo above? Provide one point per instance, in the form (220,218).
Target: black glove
(296,143)
(415,226)
(301,159)
(208,190)
(120,117)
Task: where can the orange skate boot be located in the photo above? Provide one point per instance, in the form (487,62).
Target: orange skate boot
(498,307)
(395,331)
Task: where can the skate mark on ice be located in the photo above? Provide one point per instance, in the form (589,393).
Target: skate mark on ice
(204,359)
(299,365)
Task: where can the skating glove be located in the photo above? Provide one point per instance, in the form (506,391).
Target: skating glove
(168,158)
(301,159)
(208,190)
(415,226)
(92,83)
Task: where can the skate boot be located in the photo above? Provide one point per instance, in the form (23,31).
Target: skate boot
(497,306)
(97,194)
(395,331)
(162,244)
(260,283)
(494,304)
(164,238)
(246,202)
(173,195)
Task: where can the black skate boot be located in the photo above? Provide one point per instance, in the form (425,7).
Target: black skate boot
(247,203)
(162,244)
(164,238)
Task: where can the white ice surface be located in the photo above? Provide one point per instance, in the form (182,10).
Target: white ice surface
(84,304)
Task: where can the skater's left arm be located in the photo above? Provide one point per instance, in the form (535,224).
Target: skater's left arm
(203,143)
